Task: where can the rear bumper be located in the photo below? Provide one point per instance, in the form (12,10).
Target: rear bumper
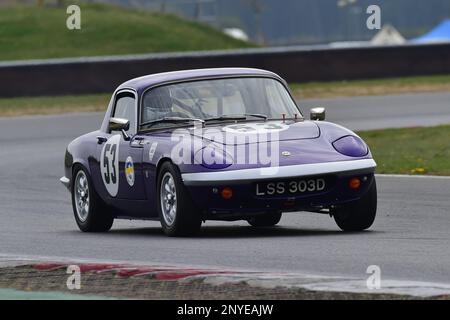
(66,182)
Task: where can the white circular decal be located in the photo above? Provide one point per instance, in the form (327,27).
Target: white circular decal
(129,171)
(109,165)
(256,127)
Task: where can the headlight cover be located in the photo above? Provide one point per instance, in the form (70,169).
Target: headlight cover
(213,158)
(351,146)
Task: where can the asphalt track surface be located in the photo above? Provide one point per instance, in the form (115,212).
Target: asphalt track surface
(379,112)
(410,239)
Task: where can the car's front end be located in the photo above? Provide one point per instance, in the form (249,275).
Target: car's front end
(313,166)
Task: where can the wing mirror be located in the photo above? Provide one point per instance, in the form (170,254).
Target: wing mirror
(119,124)
(317,114)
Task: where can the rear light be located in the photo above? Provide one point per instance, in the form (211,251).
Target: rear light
(354,183)
(227,193)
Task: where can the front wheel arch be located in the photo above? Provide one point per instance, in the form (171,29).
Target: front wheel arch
(187,218)
(161,162)
(358,215)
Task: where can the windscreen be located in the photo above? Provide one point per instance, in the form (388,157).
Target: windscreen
(215,98)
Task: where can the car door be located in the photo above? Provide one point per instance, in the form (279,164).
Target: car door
(121,154)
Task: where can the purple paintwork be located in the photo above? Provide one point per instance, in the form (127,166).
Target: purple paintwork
(308,142)
(143,83)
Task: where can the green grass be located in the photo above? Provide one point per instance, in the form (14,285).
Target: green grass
(435,83)
(411,150)
(53,105)
(29,32)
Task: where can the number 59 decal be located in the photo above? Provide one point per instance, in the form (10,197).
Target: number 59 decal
(109,165)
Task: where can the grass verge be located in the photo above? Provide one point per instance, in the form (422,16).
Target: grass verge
(421,84)
(10,107)
(411,150)
(29,32)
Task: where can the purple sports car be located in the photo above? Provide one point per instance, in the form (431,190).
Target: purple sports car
(216,144)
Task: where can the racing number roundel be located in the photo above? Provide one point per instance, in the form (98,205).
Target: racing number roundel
(109,165)
(257,128)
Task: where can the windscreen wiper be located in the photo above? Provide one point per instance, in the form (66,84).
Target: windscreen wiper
(171,120)
(256,115)
(225,117)
(237,117)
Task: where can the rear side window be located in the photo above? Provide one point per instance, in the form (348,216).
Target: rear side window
(125,108)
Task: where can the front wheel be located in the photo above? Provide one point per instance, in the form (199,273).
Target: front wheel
(269,219)
(358,215)
(177,213)
(91,214)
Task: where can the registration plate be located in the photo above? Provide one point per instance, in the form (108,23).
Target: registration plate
(290,188)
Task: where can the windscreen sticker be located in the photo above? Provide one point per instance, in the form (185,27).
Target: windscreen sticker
(129,171)
(109,165)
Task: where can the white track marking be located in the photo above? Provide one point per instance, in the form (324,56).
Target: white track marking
(332,284)
(412,176)
(261,279)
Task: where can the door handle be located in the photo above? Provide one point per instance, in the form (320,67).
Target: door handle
(101,140)
(137,142)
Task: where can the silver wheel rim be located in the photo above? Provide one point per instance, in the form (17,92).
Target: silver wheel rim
(82,196)
(168,197)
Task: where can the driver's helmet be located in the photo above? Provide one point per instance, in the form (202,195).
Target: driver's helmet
(157,104)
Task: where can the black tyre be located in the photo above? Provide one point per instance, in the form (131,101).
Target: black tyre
(358,215)
(177,213)
(90,212)
(269,219)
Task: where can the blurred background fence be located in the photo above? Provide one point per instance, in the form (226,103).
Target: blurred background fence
(295,64)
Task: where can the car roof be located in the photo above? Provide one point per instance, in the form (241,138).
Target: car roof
(142,83)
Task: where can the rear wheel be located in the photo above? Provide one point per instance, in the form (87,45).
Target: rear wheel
(177,213)
(358,215)
(91,214)
(269,219)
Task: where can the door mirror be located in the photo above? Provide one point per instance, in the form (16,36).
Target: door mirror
(317,114)
(119,124)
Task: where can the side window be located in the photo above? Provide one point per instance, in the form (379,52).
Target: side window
(157,104)
(125,108)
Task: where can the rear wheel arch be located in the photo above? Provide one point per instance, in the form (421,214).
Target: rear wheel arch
(80,164)
(99,217)
(76,166)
